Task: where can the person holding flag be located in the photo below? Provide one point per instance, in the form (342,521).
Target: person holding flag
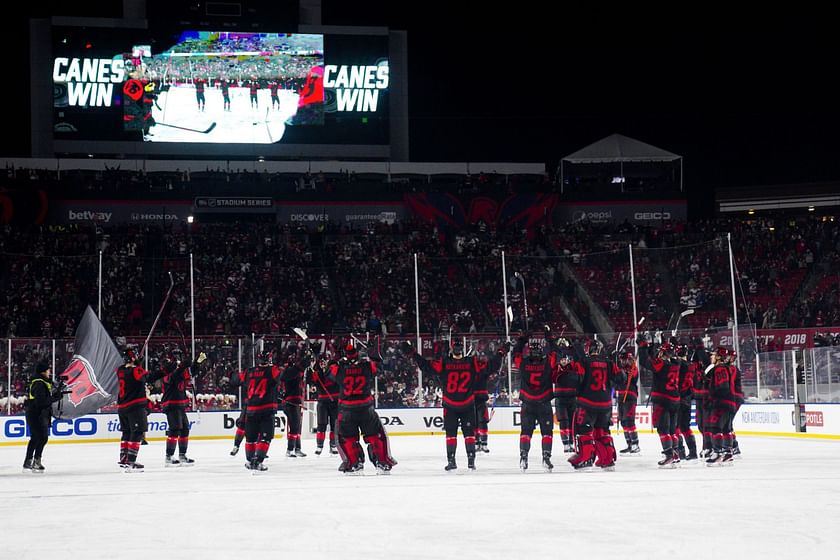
(40,395)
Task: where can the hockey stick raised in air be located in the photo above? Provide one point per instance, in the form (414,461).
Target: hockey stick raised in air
(685,313)
(205,131)
(359,341)
(154,324)
(192,378)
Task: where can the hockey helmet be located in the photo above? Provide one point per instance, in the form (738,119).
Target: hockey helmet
(131,356)
(535,350)
(626,358)
(457,347)
(351,352)
(666,349)
(594,347)
(265,357)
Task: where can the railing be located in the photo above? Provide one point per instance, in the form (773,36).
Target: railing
(767,376)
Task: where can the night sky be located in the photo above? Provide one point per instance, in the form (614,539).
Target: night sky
(747,99)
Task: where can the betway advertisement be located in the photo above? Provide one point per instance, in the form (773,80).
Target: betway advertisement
(119,211)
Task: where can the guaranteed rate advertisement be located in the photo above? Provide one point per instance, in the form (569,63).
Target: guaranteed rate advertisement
(220,87)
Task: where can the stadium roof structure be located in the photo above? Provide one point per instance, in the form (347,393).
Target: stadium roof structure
(616,148)
(620,149)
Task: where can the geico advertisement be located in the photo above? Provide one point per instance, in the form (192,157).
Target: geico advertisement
(106,427)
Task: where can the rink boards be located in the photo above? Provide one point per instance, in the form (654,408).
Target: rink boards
(823,421)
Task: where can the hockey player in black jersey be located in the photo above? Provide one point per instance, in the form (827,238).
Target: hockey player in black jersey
(457,375)
(131,407)
(175,376)
(354,376)
(291,381)
(536,371)
(327,407)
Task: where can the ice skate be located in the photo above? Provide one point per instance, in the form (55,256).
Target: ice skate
(185,461)
(451,465)
(547,465)
(170,461)
(667,461)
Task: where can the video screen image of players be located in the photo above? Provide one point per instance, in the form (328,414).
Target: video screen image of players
(225,87)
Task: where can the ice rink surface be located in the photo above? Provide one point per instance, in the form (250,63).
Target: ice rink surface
(242,124)
(781,500)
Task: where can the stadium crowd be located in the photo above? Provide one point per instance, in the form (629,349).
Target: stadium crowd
(268,278)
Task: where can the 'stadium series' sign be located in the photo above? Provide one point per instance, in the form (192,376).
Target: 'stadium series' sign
(234,204)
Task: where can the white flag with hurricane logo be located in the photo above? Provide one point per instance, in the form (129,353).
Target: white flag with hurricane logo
(91,376)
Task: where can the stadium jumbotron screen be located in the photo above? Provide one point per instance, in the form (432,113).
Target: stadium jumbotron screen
(219,87)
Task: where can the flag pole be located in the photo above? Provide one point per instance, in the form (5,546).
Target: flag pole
(100,286)
(9,381)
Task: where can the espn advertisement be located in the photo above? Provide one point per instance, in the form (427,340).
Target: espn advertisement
(219,87)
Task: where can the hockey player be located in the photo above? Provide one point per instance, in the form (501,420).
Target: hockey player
(224,85)
(457,374)
(482,414)
(355,378)
(260,385)
(685,437)
(327,407)
(200,84)
(594,409)
(241,422)
(536,371)
(566,381)
(292,385)
(273,88)
(482,395)
(665,395)
(627,395)
(739,400)
(724,402)
(700,390)
(176,375)
(131,408)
